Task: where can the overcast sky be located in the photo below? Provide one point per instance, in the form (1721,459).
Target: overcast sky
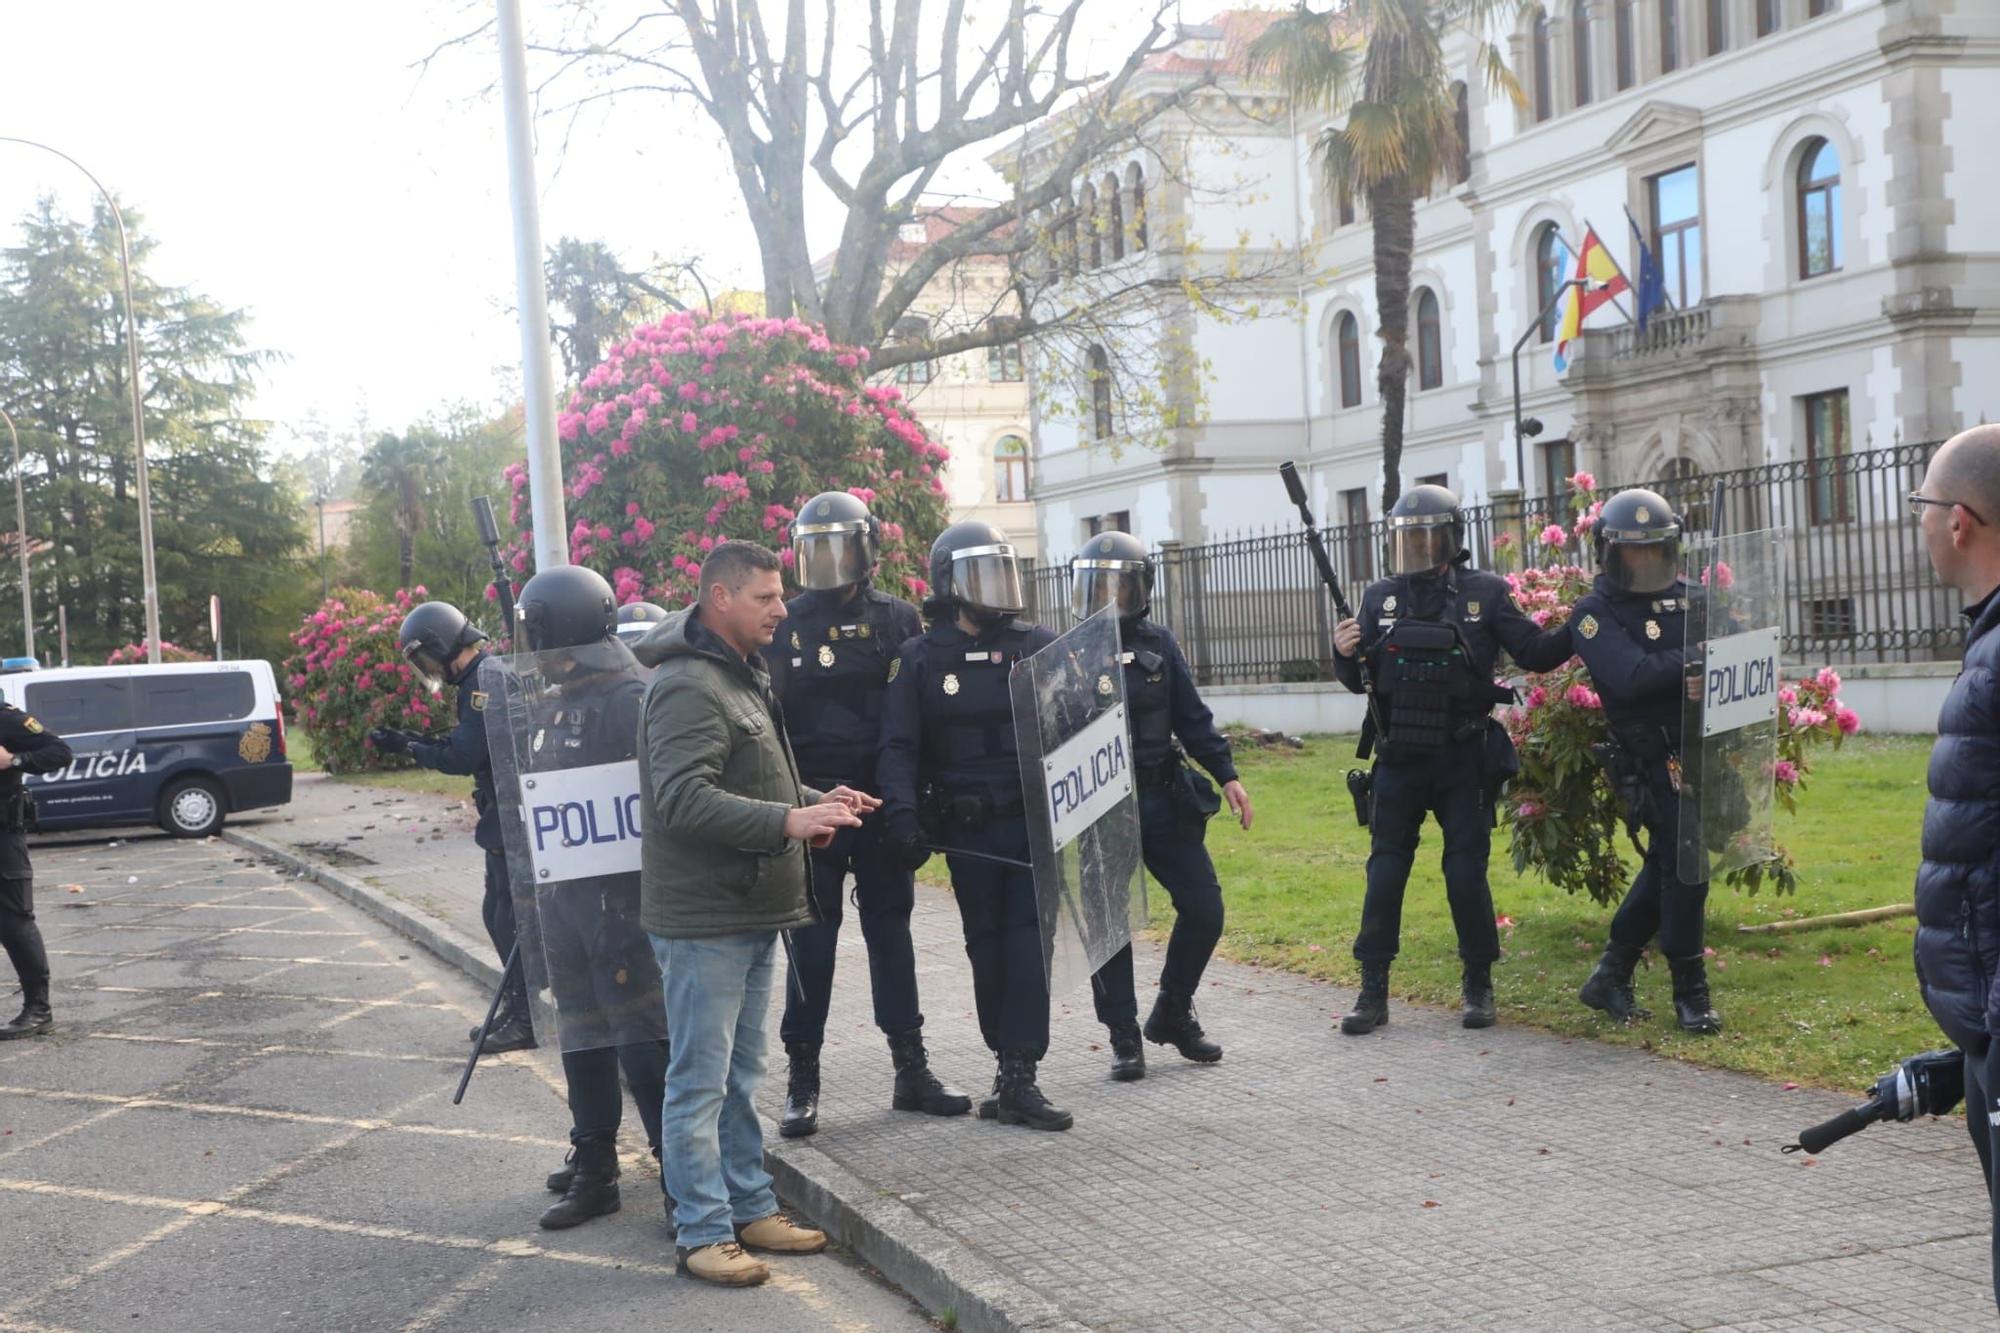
(290,159)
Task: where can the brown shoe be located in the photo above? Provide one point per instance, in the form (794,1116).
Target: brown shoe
(724,1264)
(778,1234)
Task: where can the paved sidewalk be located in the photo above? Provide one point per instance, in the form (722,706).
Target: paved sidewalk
(1423,1177)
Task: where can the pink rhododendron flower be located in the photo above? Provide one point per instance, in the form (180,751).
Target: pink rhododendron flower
(1582,481)
(1583,697)
(1554,535)
(1847,719)
(1788,696)
(1528,809)
(1828,679)
(1786,772)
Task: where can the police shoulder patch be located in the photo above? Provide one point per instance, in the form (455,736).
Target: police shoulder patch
(895,665)
(478,701)
(32,725)
(1587,627)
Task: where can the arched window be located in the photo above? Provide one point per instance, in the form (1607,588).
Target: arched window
(1551,257)
(1579,49)
(1010,470)
(1344,202)
(1819,209)
(1670,36)
(1621,34)
(1347,338)
(1430,341)
(1135,185)
(1544,97)
(1093,228)
(1767,17)
(1100,393)
(1114,223)
(1462,121)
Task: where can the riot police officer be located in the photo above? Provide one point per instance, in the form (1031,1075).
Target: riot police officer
(1167,717)
(1431,634)
(636,620)
(949,774)
(830,670)
(26,746)
(445,648)
(600,964)
(1631,632)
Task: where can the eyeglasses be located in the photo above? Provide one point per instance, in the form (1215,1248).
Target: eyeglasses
(1918,500)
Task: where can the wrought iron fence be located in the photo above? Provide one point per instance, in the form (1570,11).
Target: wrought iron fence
(1249,608)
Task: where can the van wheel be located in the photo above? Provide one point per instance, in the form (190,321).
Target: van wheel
(193,808)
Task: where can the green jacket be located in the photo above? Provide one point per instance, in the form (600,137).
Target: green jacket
(717,777)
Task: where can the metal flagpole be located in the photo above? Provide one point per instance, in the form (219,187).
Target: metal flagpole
(545,484)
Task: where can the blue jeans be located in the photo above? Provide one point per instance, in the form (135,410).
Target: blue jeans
(718,995)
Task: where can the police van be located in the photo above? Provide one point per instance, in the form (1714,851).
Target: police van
(182,745)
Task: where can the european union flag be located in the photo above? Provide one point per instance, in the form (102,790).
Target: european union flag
(1652,294)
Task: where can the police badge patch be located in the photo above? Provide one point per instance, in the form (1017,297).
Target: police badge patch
(255,747)
(1587,627)
(1652,629)
(796,646)
(32,725)
(950,683)
(478,701)
(825,655)
(1472,610)
(1389,602)
(895,665)
(1104,685)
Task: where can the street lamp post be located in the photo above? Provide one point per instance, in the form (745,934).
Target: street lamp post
(319,502)
(147,572)
(21,535)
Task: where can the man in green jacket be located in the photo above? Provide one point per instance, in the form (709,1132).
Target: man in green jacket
(723,869)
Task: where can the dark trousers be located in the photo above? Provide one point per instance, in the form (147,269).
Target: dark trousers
(1003,937)
(20,936)
(1659,899)
(496,909)
(1449,783)
(595,1104)
(1172,846)
(1982,1103)
(885,895)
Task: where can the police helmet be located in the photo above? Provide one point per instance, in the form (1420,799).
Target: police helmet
(433,635)
(835,541)
(636,620)
(1112,570)
(1426,530)
(973,566)
(567,606)
(1638,539)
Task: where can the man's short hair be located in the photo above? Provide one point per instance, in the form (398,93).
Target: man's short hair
(731,563)
(1970,472)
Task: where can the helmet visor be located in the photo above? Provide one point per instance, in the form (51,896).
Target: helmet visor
(432,667)
(830,557)
(1643,566)
(1420,548)
(1096,584)
(987,578)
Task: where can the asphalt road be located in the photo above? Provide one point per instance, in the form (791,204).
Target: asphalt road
(244,1121)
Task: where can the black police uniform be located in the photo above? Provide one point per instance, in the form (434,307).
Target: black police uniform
(1174,805)
(463,753)
(1633,644)
(600,961)
(36,749)
(830,668)
(949,757)
(1450,776)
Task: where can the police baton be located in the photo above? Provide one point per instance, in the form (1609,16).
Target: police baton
(1296,488)
(479,1037)
(503,586)
(977,856)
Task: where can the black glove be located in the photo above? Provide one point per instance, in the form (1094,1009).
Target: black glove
(388,740)
(904,841)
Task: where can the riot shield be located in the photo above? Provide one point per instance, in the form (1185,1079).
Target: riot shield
(562,730)
(1077,780)
(1729,724)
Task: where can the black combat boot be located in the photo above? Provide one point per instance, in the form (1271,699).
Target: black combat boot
(1371,1008)
(1021,1102)
(1609,986)
(917,1088)
(1477,989)
(35,1017)
(559,1179)
(1691,1005)
(1128,1055)
(989,1105)
(1172,1023)
(593,1185)
(801,1091)
(512,1029)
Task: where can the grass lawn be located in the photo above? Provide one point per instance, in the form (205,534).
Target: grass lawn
(1831,1006)
(412,779)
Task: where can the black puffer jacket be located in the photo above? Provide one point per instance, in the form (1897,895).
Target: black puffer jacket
(1958,883)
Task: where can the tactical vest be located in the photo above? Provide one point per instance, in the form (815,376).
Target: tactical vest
(587,728)
(835,689)
(1149,707)
(1426,677)
(1651,728)
(968,714)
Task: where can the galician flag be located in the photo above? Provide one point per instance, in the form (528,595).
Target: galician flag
(1602,280)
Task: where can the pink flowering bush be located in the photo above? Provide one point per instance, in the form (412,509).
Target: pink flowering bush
(348,677)
(133,654)
(1566,822)
(700,429)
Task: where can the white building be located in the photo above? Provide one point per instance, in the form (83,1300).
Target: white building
(1809,171)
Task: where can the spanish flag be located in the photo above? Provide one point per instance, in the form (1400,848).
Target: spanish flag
(1602,279)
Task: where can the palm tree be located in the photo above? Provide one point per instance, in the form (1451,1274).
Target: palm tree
(401,467)
(1382,62)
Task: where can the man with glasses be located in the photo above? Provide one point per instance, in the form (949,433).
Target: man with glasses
(1958,881)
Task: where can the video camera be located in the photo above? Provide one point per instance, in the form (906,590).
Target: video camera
(1927,1084)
